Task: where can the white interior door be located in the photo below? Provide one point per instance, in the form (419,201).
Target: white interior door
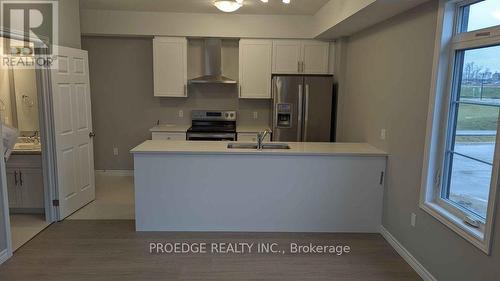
(73,131)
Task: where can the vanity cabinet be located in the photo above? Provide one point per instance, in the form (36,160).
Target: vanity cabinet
(170,66)
(300,57)
(255,63)
(25,184)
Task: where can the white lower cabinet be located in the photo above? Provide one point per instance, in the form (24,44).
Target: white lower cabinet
(25,183)
(251,137)
(168,136)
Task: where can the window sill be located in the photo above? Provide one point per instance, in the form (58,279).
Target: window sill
(473,235)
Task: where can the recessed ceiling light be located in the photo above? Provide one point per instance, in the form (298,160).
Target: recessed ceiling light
(227,6)
(286,1)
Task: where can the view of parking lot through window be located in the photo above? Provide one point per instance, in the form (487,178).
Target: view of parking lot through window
(477,112)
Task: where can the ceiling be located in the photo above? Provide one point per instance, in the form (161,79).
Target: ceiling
(274,7)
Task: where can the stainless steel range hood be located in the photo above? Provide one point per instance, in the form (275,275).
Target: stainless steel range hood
(213,64)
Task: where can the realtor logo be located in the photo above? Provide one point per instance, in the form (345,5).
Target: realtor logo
(33,29)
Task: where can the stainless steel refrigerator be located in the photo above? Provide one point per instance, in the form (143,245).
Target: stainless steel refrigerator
(302,108)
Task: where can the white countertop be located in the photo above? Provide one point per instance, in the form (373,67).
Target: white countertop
(208,147)
(173,128)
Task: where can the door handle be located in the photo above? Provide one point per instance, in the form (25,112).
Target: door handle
(21,178)
(91,134)
(306,114)
(15,177)
(299,118)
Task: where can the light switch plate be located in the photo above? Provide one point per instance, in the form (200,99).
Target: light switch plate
(413,219)
(181,113)
(383,134)
(115,151)
(255,115)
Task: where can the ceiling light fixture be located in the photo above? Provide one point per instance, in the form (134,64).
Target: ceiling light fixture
(228,6)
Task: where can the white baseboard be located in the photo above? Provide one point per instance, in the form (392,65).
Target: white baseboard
(115,172)
(407,256)
(4,256)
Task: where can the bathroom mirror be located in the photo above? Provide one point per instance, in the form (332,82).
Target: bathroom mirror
(19,100)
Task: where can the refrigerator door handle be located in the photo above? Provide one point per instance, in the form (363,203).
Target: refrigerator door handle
(300,109)
(306,114)
(274,107)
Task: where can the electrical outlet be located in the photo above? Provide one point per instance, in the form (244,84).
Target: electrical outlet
(255,115)
(383,134)
(115,151)
(413,219)
(181,113)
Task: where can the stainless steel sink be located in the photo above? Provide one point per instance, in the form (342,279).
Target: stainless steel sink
(254,146)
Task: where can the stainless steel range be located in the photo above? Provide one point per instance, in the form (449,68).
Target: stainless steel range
(212,126)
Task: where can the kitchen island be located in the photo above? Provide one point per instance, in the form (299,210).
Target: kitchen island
(311,187)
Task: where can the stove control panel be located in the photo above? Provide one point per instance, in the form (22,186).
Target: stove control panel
(202,115)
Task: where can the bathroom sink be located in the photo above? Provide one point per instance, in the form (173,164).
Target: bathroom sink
(254,146)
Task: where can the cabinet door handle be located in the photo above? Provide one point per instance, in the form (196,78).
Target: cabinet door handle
(21,178)
(185,90)
(298,66)
(15,178)
(303,67)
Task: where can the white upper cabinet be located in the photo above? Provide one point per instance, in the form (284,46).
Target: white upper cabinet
(170,66)
(300,57)
(287,56)
(315,57)
(255,64)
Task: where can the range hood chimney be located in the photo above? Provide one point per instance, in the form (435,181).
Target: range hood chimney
(213,64)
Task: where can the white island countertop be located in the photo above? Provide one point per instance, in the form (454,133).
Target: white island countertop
(210,147)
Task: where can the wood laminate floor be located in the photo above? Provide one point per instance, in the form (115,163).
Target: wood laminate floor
(76,250)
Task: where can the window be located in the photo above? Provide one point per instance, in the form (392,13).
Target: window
(480,15)
(461,175)
(473,122)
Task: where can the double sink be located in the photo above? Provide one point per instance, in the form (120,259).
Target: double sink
(255,146)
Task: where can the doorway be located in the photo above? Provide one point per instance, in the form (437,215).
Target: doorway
(27,192)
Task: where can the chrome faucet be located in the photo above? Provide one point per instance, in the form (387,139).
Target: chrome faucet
(260,138)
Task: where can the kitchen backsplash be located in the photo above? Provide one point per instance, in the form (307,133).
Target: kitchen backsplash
(215,97)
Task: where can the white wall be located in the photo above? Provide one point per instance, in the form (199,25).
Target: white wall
(388,79)
(69,23)
(98,22)
(336,11)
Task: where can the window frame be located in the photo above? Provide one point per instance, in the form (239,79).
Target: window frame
(450,42)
